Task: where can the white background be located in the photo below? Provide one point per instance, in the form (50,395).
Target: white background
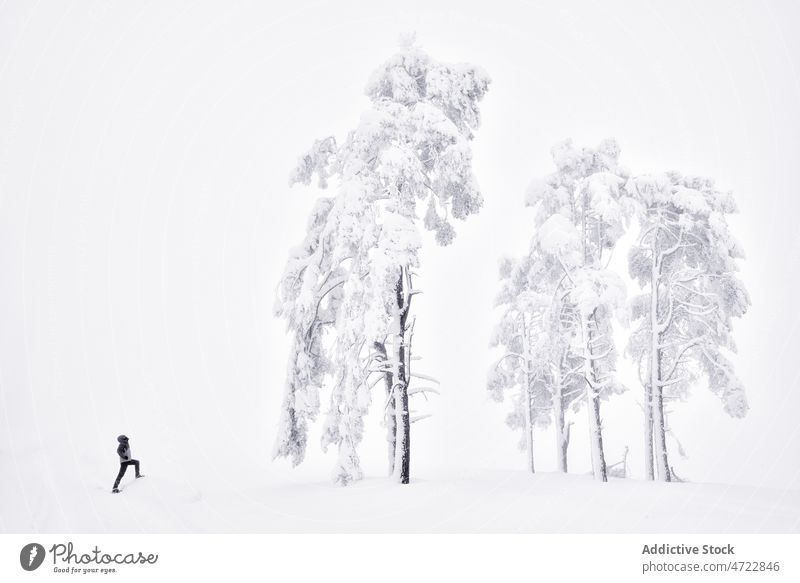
(145,217)
(430,558)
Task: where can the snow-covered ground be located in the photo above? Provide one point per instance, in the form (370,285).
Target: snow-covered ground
(447,501)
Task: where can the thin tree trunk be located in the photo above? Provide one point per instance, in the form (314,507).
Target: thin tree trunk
(662,463)
(656,390)
(400,356)
(562,433)
(593,408)
(528,431)
(526,397)
(402,459)
(562,440)
(389,414)
(648,432)
(598,456)
(649,462)
(592,394)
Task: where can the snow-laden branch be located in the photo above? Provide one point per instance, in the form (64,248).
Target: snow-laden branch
(507,355)
(423,390)
(669,251)
(665,323)
(696,342)
(593,357)
(322,297)
(668,383)
(417,375)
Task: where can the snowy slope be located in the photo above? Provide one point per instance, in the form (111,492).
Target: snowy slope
(451,501)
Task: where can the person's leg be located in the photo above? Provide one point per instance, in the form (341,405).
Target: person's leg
(136,467)
(122,469)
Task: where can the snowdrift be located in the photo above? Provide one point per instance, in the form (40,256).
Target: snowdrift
(450,501)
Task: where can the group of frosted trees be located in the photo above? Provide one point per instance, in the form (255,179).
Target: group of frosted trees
(559,301)
(347,290)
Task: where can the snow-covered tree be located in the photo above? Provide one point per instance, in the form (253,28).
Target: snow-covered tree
(537,363)
(686,260)
(581,211)
(310,308)
(346,292)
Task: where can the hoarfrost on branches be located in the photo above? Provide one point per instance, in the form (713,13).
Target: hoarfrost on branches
(686,260)
(346,292)
(559,299)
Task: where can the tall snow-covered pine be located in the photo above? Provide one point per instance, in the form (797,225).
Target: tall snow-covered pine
(685,259)
(581,211)
(347,291)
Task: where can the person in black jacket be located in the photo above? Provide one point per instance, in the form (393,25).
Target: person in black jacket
(125,460)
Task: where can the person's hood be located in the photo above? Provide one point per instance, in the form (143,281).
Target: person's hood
(122,439)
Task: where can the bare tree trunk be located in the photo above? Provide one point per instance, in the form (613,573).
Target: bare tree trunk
(402,459)
(599,469)
(400,360)
(648,432)
(662,463)
(527,397)
(562,432)
(389,414)
(528,430)
(598,456)
(656,390)
(592,393)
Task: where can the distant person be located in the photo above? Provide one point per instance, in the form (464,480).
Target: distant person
(125,460)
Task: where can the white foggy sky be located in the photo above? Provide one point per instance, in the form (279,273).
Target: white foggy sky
(145,215)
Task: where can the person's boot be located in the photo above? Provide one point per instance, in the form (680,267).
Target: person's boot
(115,491)
(140,476)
